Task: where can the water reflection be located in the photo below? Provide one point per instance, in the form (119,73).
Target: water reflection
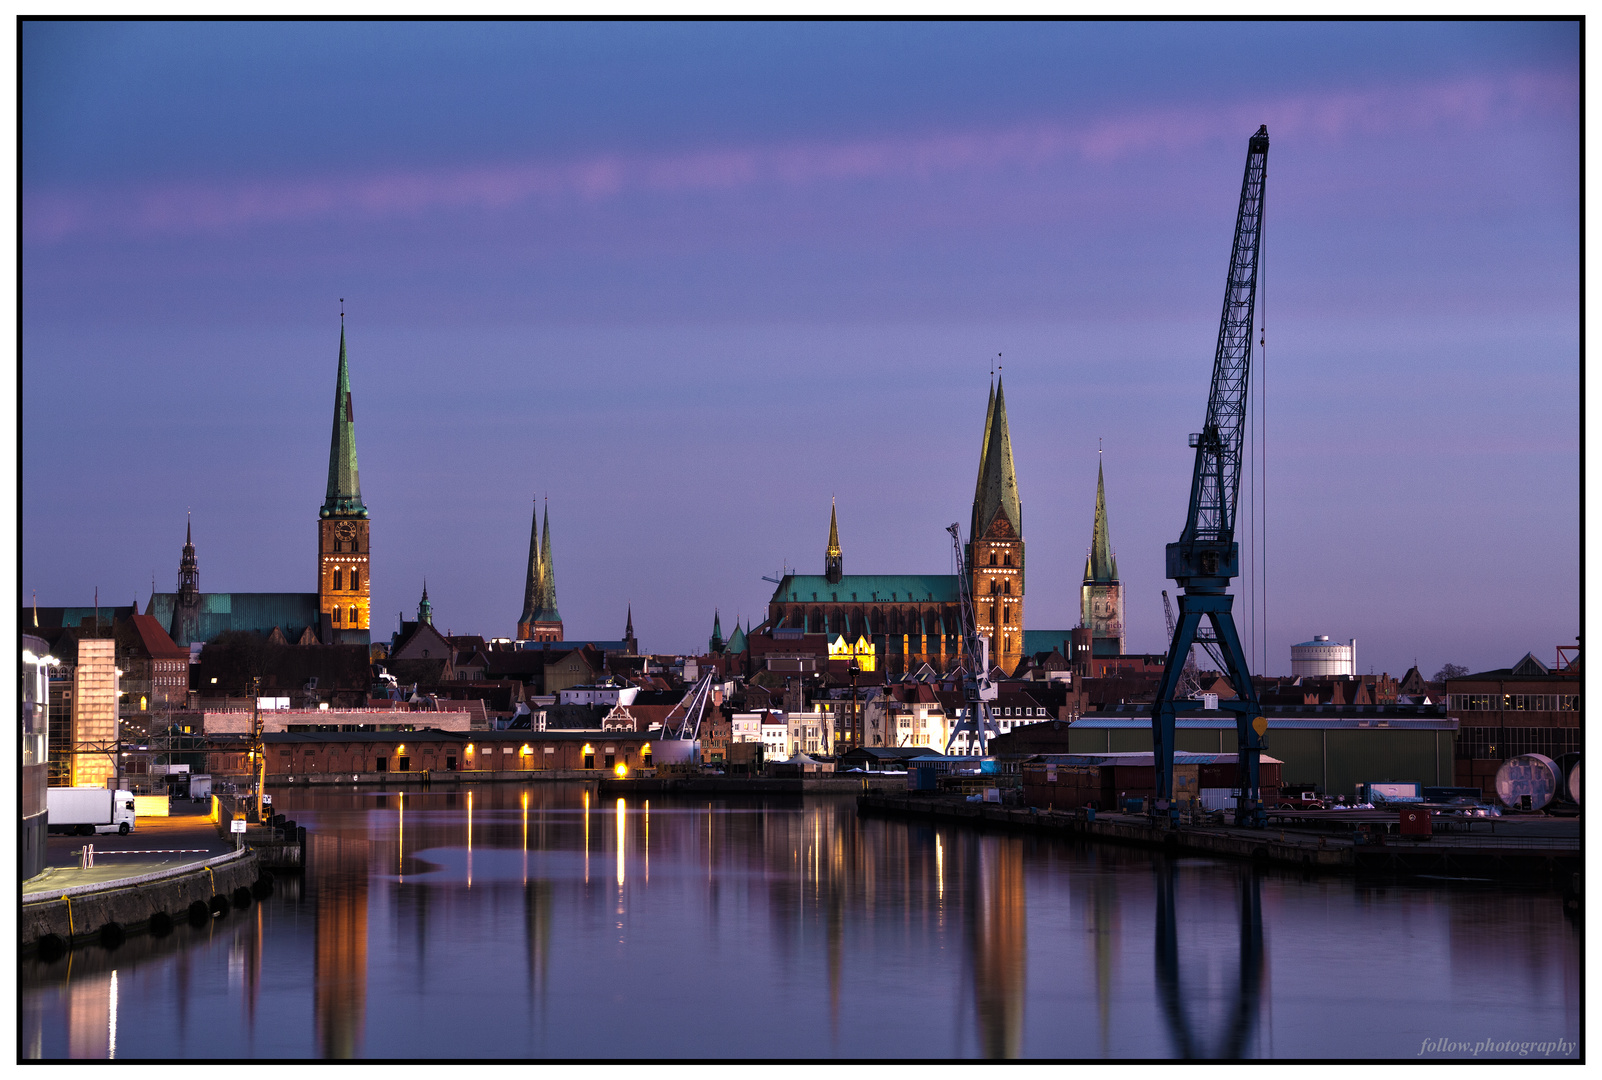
(776,928)
(338,871)
(1234,1030)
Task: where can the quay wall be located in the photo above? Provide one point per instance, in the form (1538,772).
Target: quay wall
(78,915)
(1553,862)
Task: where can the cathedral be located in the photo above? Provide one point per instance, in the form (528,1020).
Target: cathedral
(541,621)
(915,619)
(339,612)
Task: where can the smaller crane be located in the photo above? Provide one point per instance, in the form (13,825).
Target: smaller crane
(1189,680)
(977,689)
(684,720)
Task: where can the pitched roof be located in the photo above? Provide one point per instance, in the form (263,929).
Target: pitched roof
(154,639)
(867,589)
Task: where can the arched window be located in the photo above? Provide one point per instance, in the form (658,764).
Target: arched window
(1007,587)
(355,580)
(353,616)
(992,556)
(339,580)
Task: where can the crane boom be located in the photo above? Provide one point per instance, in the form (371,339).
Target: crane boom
(978,690)
(1206,557)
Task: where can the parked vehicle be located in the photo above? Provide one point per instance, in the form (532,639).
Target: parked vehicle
(87,811)
(1299,798)
(200,787)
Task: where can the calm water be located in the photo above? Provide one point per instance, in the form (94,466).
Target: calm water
(545,923)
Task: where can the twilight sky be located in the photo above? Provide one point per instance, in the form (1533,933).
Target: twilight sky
(692,280)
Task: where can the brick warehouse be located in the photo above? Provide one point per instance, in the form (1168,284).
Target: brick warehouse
(374,755)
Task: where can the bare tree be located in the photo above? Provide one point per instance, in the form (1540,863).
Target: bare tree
(1450,671)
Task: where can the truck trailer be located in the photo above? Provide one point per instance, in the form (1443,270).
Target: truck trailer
(87,811)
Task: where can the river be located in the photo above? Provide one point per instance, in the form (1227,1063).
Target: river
(543,922)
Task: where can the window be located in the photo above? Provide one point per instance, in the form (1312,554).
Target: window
(1006,560)
(611,760)
(338,546)
(450,762)
(381,765)
(334,615)
(355,546)
(353,616)
(589,756)
(992,557)
(355,580)
(405,764)
(339,580)
(1007,588)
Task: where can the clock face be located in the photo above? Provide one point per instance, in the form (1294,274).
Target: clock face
(345,531)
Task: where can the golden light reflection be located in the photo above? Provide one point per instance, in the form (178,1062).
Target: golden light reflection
(647,840)
(469,839)
(586,836)
(940,868)
(622,817)
(400,848)
(111,1019)
(524,800)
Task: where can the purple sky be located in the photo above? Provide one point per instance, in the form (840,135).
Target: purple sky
(692,280)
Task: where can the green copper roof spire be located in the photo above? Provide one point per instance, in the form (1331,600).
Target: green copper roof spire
(547,612)
(998,479)
(533,587)
(717,633)
(1102,565)
(344,487)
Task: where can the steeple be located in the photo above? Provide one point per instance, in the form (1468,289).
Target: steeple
(547,609)
(629,643)
(425,610)
(344,487)
(831,557)
(535,583)
(717,633)
(997,494)
(188,569)
(1102,564)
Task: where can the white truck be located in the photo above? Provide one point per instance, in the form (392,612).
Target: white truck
(87,811)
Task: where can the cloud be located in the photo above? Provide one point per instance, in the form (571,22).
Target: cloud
(51,217)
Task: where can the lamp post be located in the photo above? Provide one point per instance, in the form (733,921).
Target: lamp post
(257,748)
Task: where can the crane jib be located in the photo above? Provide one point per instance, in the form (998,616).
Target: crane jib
(1215,485)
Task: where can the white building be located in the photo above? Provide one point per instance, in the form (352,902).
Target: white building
(1323,657)
(597,695)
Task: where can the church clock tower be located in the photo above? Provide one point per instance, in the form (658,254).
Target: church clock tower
(344,589)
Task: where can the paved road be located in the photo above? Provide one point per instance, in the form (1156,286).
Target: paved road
(187,837)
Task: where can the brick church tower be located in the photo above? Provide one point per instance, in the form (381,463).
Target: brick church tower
(344,587)
(996,543)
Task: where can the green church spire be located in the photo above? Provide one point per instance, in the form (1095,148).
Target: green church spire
(1102,565)
(344,487)
(997,496)
(533,587)
(547,612)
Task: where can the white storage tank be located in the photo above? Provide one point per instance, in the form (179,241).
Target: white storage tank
(1321,656)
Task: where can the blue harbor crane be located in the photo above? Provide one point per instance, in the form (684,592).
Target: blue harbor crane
(1207,556)
(978,721)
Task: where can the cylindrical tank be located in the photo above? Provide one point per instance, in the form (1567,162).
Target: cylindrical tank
(1321,656)
(1574,783)
(1527,782)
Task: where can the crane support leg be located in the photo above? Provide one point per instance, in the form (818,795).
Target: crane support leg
(1249,724)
